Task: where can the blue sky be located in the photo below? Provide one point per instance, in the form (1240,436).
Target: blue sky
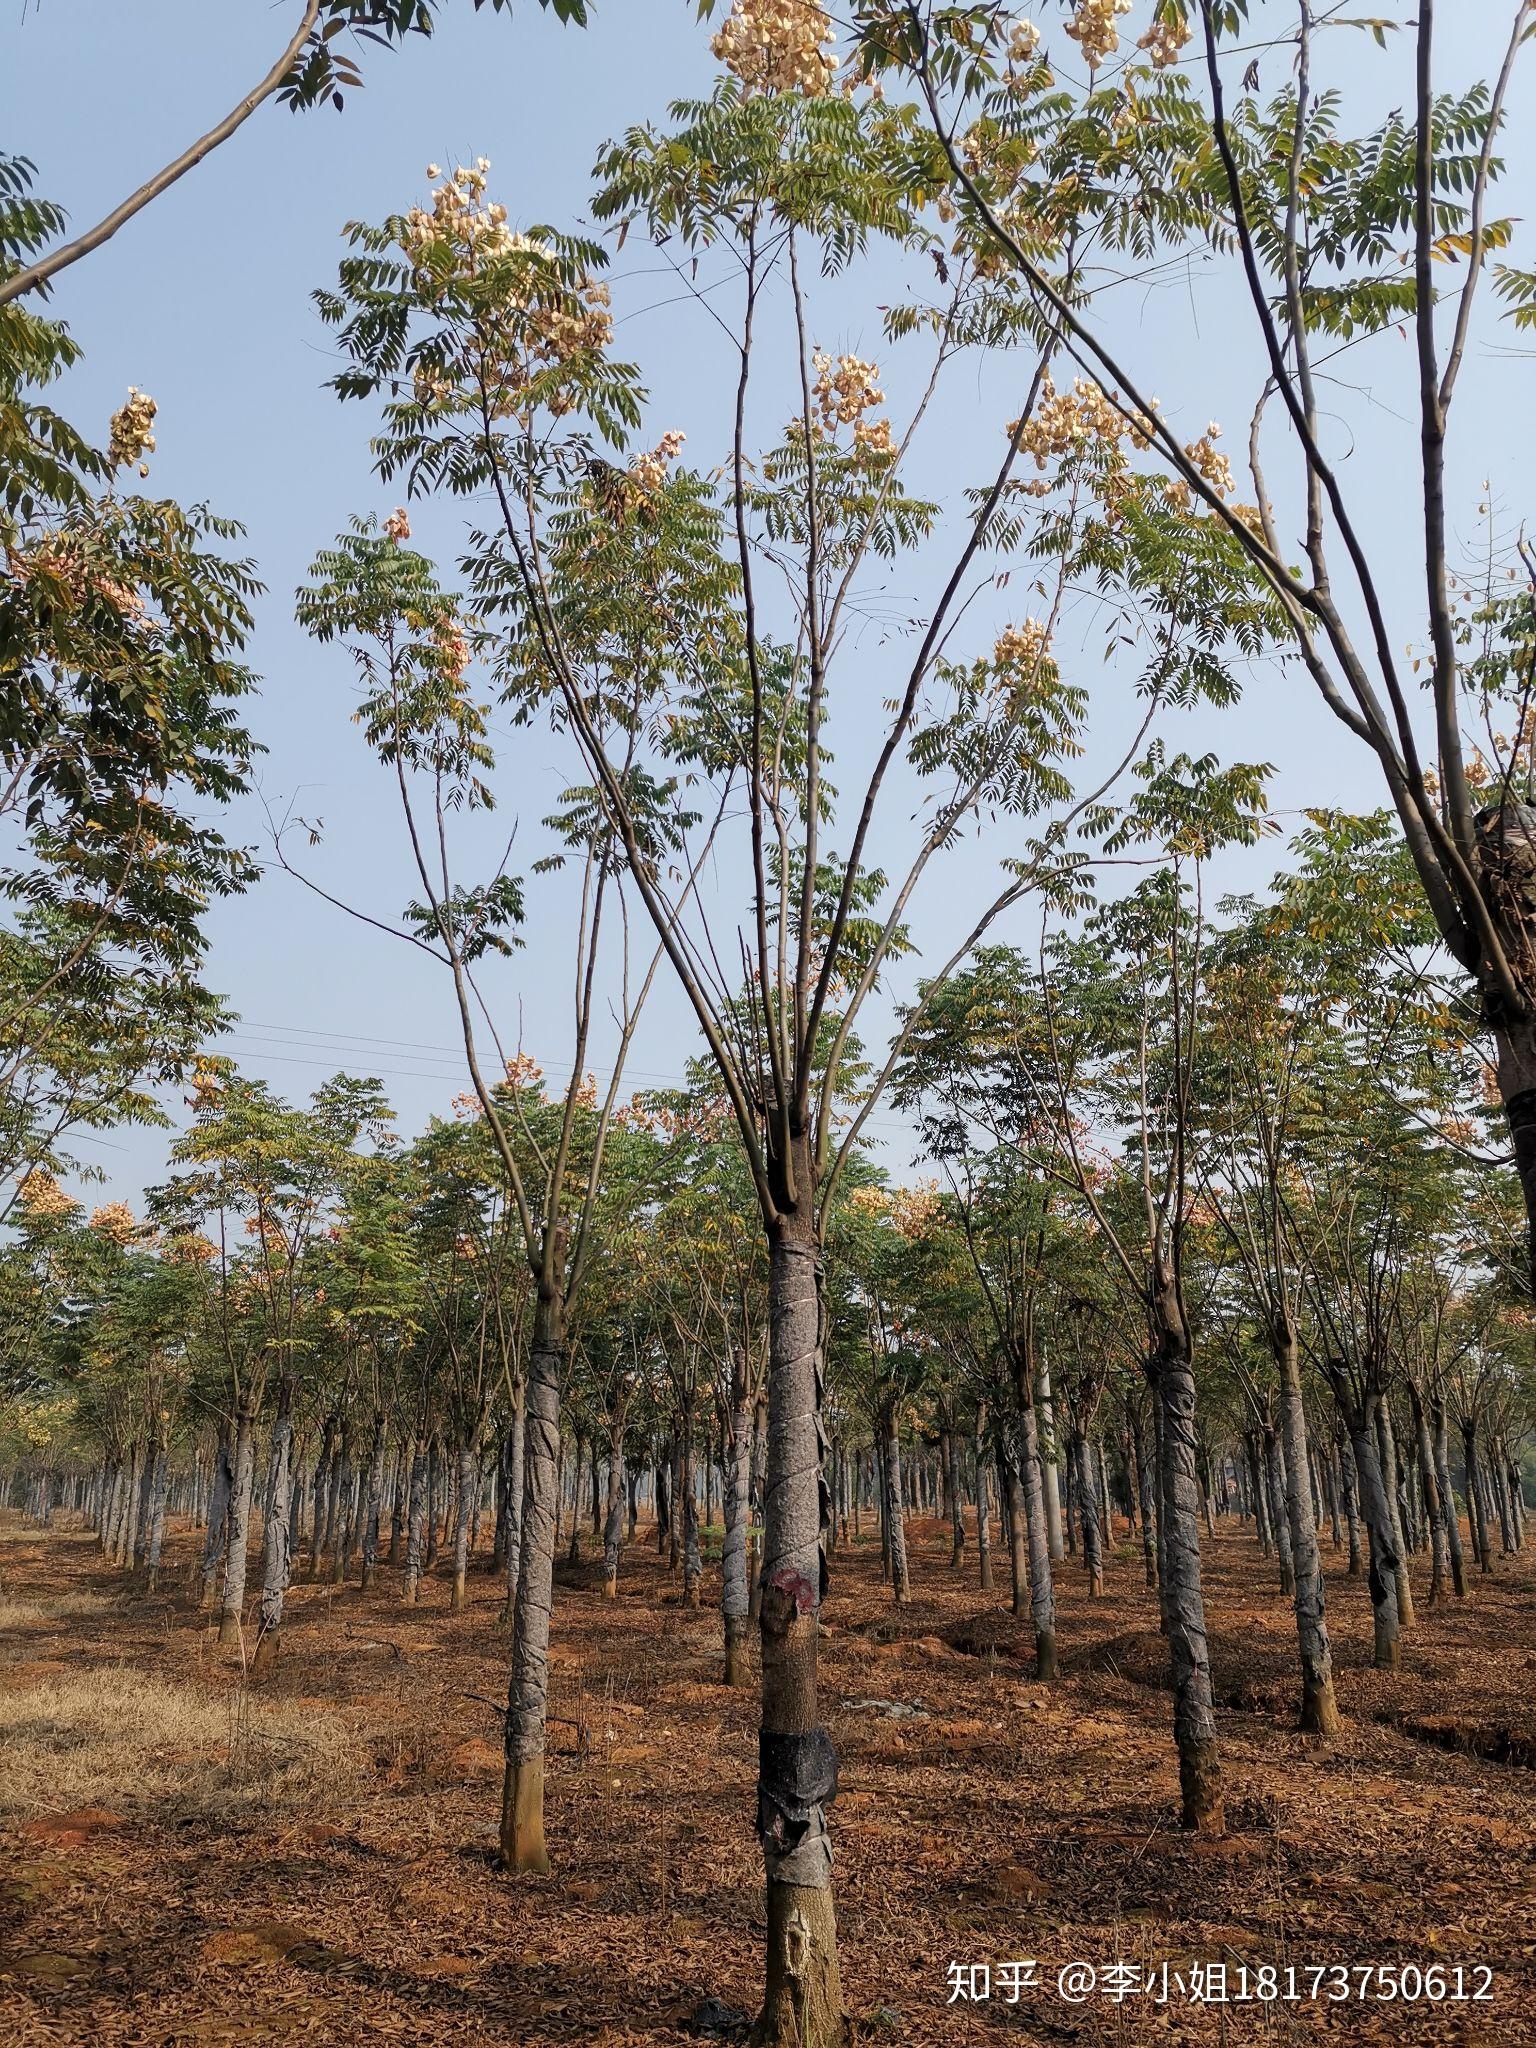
(204,301)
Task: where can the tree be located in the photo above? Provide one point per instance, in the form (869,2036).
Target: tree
(1335,241)
(412,646)
(311,70)
(265,1178)
(638,610)
(123,620)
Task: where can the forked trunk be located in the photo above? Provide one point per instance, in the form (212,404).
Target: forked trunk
(522,1804)
(797,1765)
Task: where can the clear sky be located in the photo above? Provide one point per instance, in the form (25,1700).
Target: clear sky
(204,301)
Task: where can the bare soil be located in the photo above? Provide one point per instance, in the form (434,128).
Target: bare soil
(219,1887)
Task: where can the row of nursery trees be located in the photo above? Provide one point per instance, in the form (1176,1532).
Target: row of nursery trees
(1261,1146)
(320,1330)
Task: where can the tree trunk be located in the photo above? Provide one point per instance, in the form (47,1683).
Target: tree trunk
(1194,1717)
(890,1438)
(735,1599)
(1448,1500)
(468,1467)
(417,1510)
(1106,1501)
(1401,1583)
(1319,1710)
(374,1506)
(1147,1494)
(336,1512)
(277,1552)
(1277,1471)
(983,1513)
(1330,1474)
(232,1606)
(431,1494)
(693,1568)
(1477,1519)
(321,1494)
(141,1515)
(1037,1537)
(613,1515)
(159,1488)
(1498,1467)
(755,1532)
(516,1485)
(218,1522)
(956,1509)
(1516,1497)
(399,1489)
(573,1554)
(1434,1501)
(663,1503)
(1381,1574)
(797,1765)
(1263,1526)
(1050,1480)
(1081,1476)
(522,1804)
(1008,1459)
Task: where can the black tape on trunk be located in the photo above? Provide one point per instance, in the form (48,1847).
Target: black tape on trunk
(797,1780)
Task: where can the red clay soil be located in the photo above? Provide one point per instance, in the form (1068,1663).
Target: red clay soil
(1011,1822)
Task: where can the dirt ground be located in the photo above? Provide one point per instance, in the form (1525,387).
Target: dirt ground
(171,1894)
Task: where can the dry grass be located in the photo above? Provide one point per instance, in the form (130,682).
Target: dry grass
(116,1738)
(38,1613)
